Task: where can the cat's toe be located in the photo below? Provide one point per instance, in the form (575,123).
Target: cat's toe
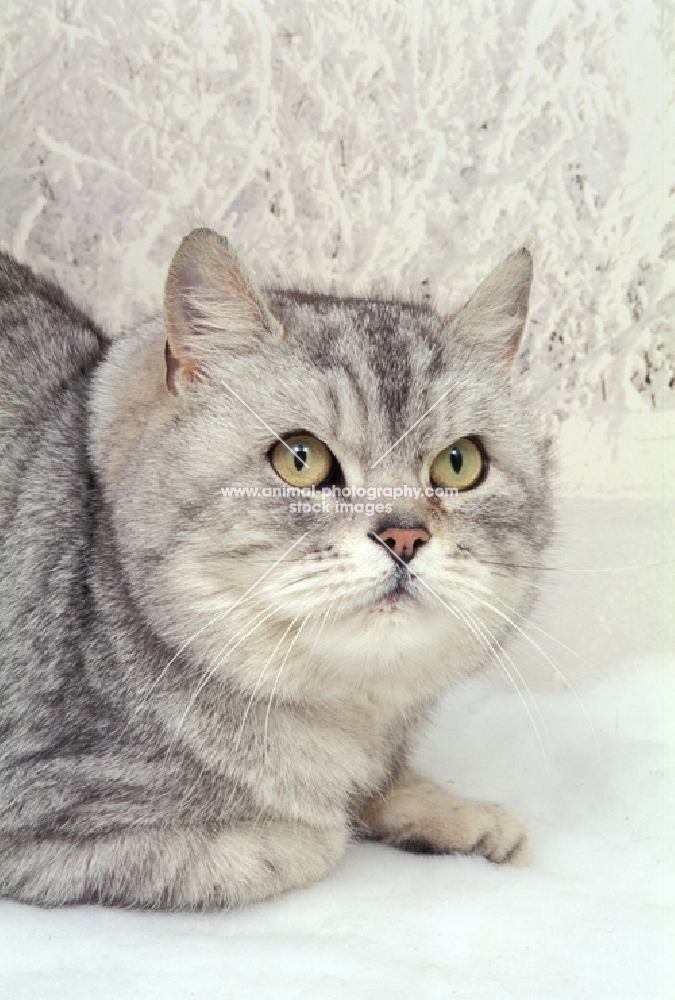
(500,836)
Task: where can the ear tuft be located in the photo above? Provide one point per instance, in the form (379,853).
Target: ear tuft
(210,304)
(494,317)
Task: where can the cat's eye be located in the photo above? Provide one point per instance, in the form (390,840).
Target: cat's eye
(302,460)
(460,466)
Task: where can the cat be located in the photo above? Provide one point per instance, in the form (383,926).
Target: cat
(204,696)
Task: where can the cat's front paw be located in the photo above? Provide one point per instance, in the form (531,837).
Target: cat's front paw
(417,815)
(469,828)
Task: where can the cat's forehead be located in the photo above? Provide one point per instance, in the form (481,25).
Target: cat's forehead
(382,364)
(378,329)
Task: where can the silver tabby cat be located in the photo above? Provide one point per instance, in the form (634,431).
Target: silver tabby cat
(203,697)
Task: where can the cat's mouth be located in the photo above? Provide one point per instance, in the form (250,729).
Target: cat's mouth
(399,591)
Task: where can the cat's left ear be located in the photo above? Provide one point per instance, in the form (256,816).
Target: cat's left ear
(211,304)
(494,317)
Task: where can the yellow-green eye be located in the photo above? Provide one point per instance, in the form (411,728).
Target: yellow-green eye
(301,460)
(459,466)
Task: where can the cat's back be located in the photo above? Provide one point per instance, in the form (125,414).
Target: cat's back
(45,343)
(48,348)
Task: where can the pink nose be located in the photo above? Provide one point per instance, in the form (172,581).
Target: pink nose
(404,542)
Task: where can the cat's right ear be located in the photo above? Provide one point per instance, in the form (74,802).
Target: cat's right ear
(210,304)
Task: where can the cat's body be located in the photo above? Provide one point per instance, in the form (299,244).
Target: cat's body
(201,696)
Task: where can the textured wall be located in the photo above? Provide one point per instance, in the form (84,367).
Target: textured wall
(407,145)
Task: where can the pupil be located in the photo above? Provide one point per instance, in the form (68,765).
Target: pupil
(456,460)
(300,459)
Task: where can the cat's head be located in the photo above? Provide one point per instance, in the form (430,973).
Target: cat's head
(383,397)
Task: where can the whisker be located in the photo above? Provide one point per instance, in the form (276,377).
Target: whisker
(576,569)
(208,674)
(262,811)
(274,686)
(413,574)
(258,682)
(545,656)
(475,585)
(320,630)
(460,615)
(149,691)
(538,628)
(218,617)
(494,646)
(611,569)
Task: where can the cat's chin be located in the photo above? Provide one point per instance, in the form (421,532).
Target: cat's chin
(396,600)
